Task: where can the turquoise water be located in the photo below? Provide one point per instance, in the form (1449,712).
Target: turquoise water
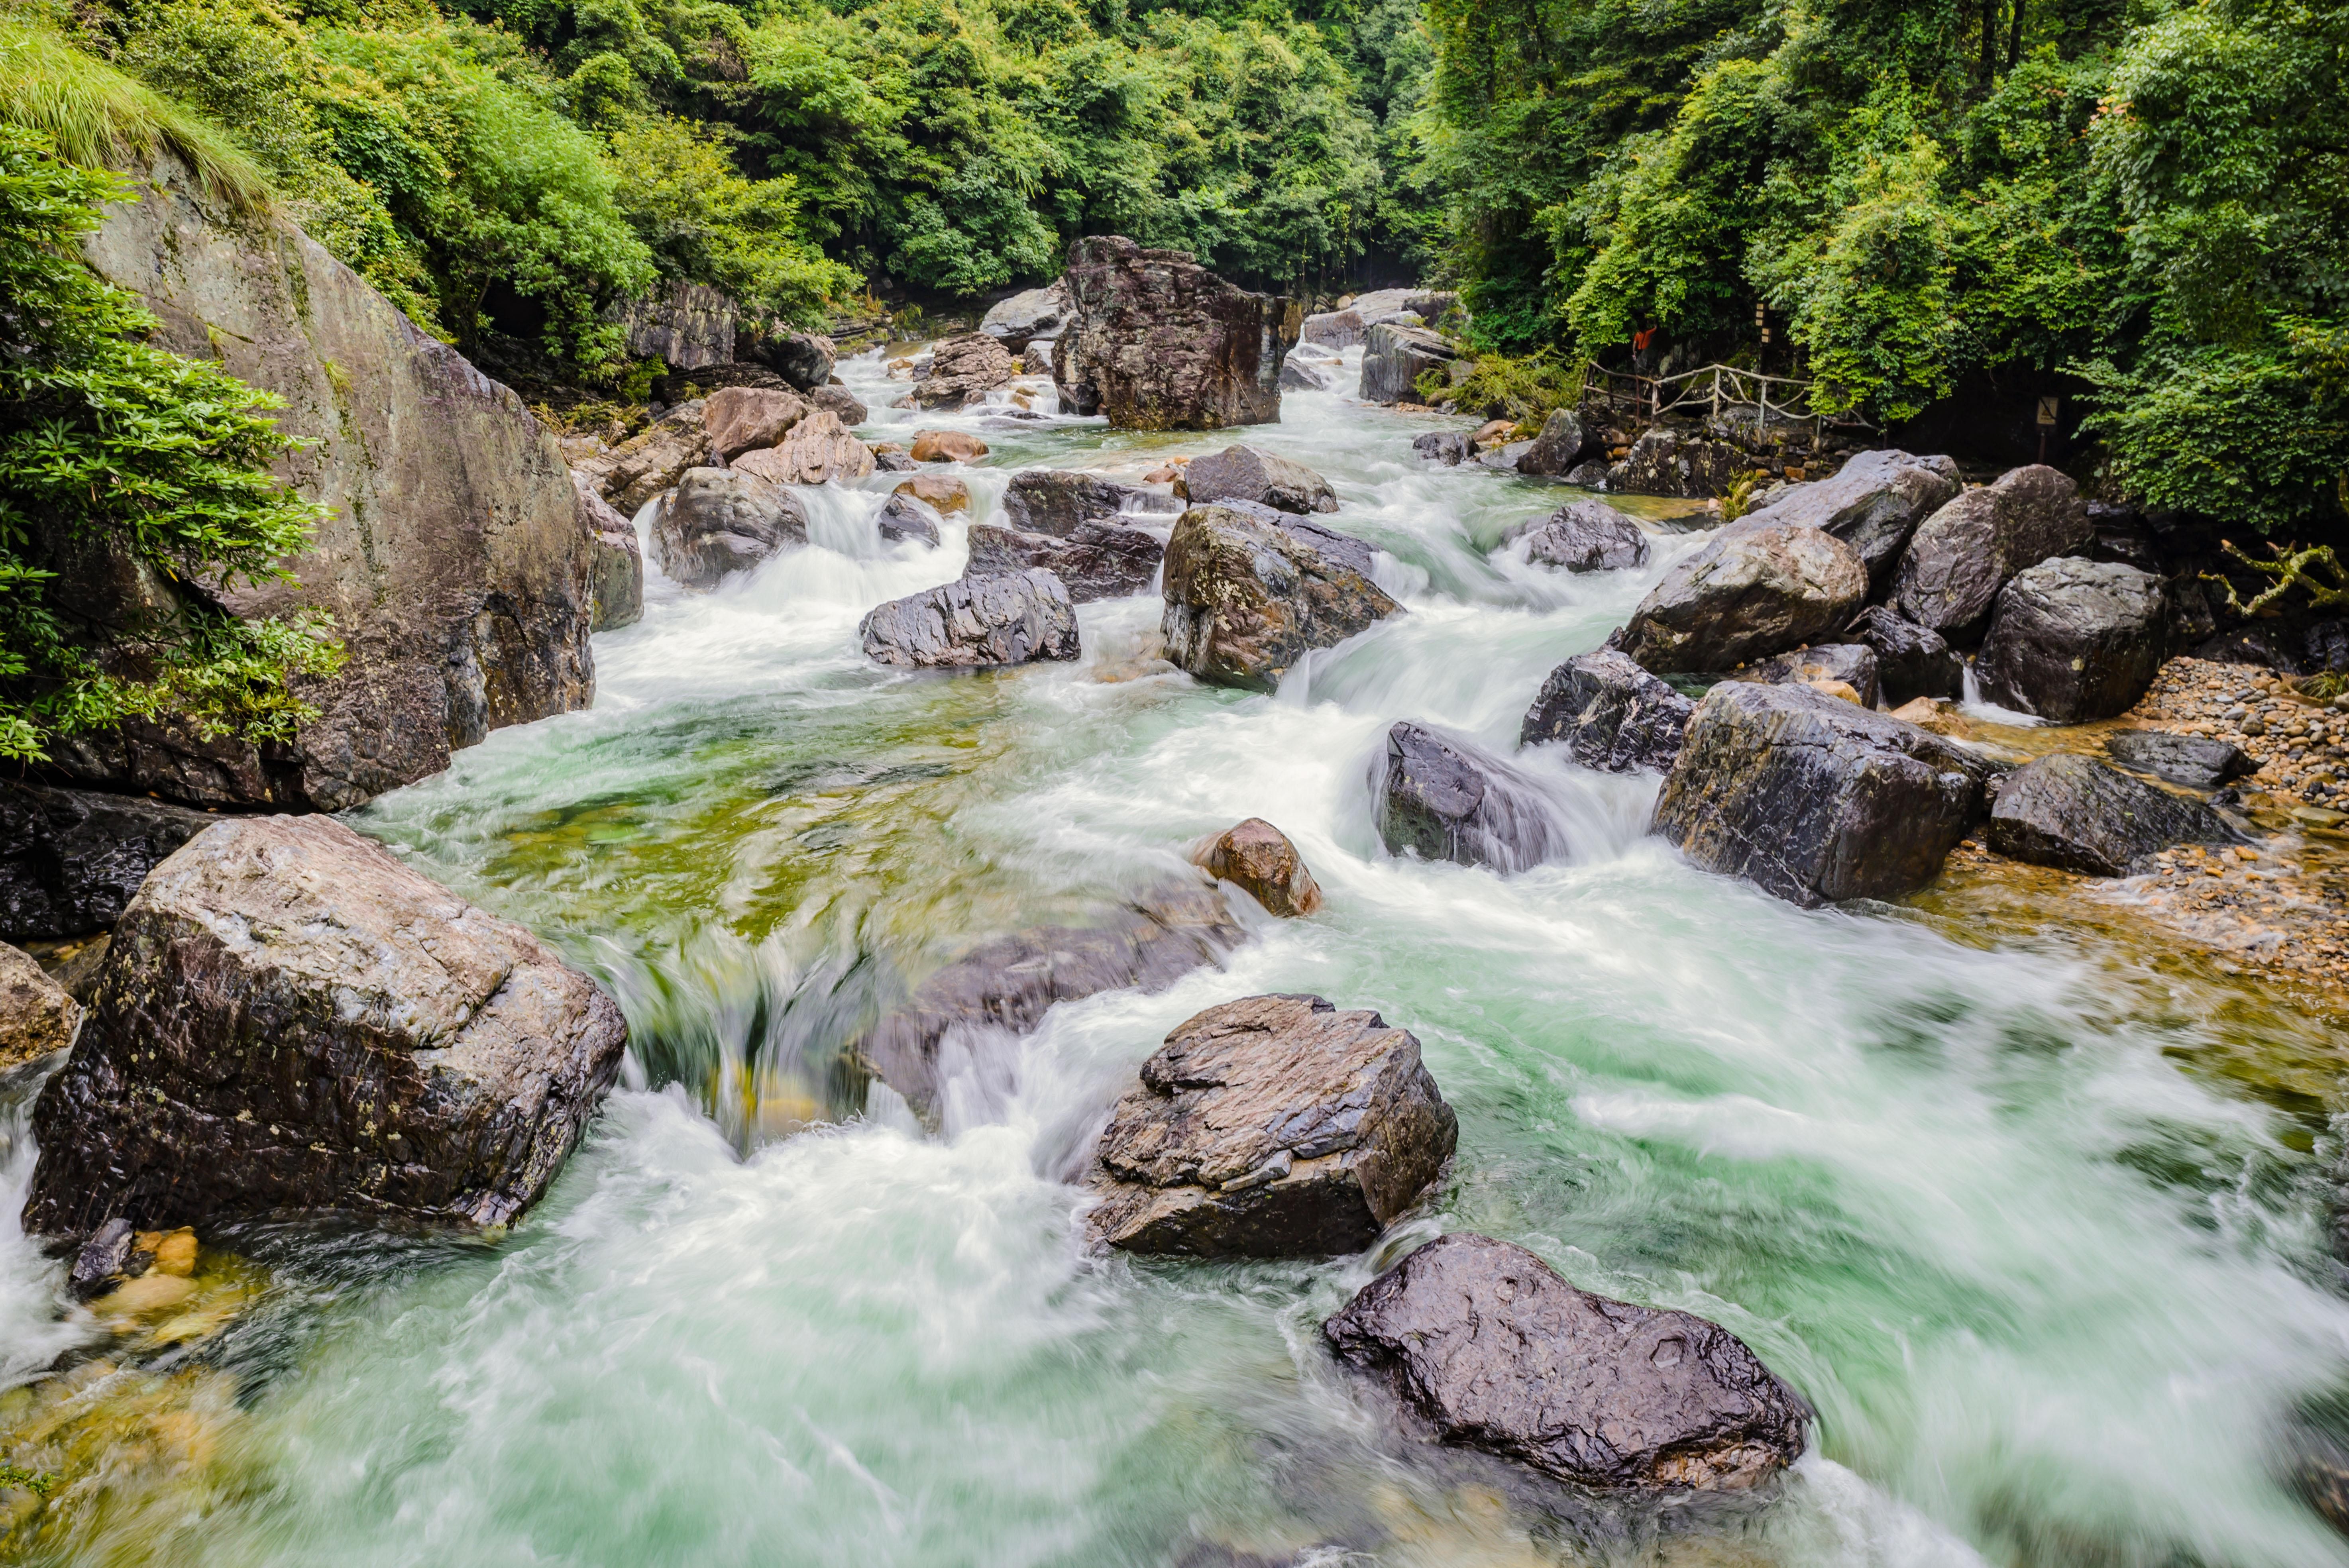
(2055,1292)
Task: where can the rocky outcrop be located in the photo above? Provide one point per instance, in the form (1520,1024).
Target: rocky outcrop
(289,1019)
(1582,536)
(1395,358)
(802,358)
(1270,1127)
(1873,503)
(739,419)
(1964,554)
(649,461)
(2193,760)
(1911,661)
(1814,800)
(450,557)
(1826,664)
(1012,619)
(2075,812)
(1103,560)
(902,518)
(1247,473)
(37,1016)
(1259,859)
(71,860)
(1563,441)
(718,520)
(2073,640)
(963,371)
(1030,315)
(1444,800)
(1054,501)
(1156,342)
(1612,715)
(1750,593)
(1484,1342)
(1006,986)
(689,326)
(1450,447)
(1249,592)
(948,447)
(616,581)
(814,451)
(1666,461)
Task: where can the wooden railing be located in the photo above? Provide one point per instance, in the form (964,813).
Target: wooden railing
(1712,389)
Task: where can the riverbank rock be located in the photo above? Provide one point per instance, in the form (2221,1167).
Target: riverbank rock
(1014,618)
(1749,594)
(1487,1345)
(37,1016)
(1873,503)
(1249,592)
(963,370)
(718,520)
(71,860)
(814,451)
(1245,473)
(649,461)
(1450,447)
(1665,461)
(1444,800)
(1272,1127)
(1814,800)
(2193,761)
(615,581)
(1582,536)
(1611,714)
(1259,859)
(1964,554)
(902,517)
(2078,814)
(289,1019)
(741,420)
(1030,315)
(1911,661)
(802,358)
(1395,358)
(1827,665)
(2073,640)
(1563,441)
(1054,501)
(1156,342)
(1103,560)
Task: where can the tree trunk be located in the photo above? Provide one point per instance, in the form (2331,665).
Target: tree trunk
(2014,37)
(1989,45)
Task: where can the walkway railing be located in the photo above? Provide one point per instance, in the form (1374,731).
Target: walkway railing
(1712,389)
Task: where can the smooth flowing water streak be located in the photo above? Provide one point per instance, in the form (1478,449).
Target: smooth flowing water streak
(2055,1293)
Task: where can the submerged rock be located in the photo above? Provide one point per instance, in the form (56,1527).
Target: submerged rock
(1259,859)
(36,1015)
(720,521)
(1749,594)
(1814,800)
(1485,1343)
(1444,800)
(1013,618)
(1272,1127)
(1247,473)
(1911,661)
(71,860)
(1582,536)
(1851,665)
(1964,554)
(902,517)
(1249,592)
(1612,715)
(1395,358)
(1054,501)
(2073,640)
(289,1019)
(1156,342)
(1450,447)
(2190,760)
(1873,503)
(2077,813)
(1103,560)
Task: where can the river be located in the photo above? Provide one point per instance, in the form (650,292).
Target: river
(2054,1285)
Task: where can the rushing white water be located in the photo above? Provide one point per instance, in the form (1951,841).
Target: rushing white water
(2054,1293)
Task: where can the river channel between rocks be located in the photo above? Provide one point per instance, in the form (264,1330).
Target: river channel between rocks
(2031,1208)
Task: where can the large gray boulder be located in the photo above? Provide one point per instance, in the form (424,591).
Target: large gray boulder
(963,371)
(2202,762)
(1912,661)
(1339,329)
(1612,715)
(1582,536)
(1666,461)
(1015,618)
(1485,1343)
(741,420)
(1054,501)
(802,358)
(1395,358)
(1250,591)
(616,579)
(2075,812)
(1443,798)
(1270,1127)
(1156,342)
(720,521)
(1749,594)
(1251,474)
(1850,664)
(1300,375)
(289,1019)
(1030,315)
(1873,503)
(2073,640)
(1814,800)
(1103,560)
(1450,447)
(1962,554)
(71,860)
(1563,441)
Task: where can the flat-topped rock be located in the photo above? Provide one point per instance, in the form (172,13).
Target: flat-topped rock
(1272,1127)
(1054,501)
(1011,618)
(1250,474)
(1853,664)
(1748,594)
(1249,591)
(2195,760)
(1442,799)
(1097,560)
(2077,813)
(1582,536)
(1612,715)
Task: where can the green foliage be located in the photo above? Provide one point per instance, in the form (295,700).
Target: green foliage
(1522,388)
(125,463)
(38,1482)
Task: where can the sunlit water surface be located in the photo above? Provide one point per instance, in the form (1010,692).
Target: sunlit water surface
(2055,1292)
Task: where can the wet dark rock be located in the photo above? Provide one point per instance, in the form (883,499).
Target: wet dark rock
(71,860)
(802,358)
(1485,1343)
(2190,760)
(1912,661)
(1564,441)
(2077,813)
(1395,358)
(1590,475)
(1103,560)
(1444,800)
(902,518)
(1028,315)
(616,561)
(1450,447)
(1250,591)
(1257,858)
(1013,618)
(1873,503)
(1962,554)
(1665,461)
(37,1018)
(1749,594)
(103,1260)
(290,1019)
(1247,473)
(1852,663)
(1582,536)
(1054,501)
(2121,534)
(1612,715)
(724,519)
(2073,640)
(840,403)
(1815,799)
(1156,342)
(1272,1127)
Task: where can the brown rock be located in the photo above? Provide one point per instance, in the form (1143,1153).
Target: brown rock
(963,370)
(1157,342)
(1250,591)
(1259,858)
(37,1016)
(843,404)
(741,420)
(948,447)
(649,461)
(940,492)
(817,449)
